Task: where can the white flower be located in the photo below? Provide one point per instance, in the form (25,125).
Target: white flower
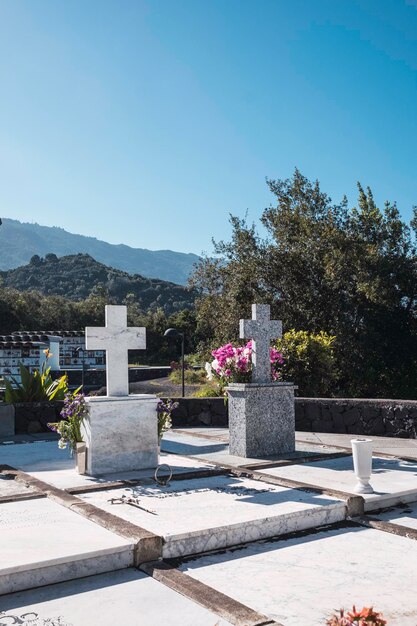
(62,444)
(209,371)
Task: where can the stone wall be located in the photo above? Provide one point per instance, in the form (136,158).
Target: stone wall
(390,418)
(199,412)
(33,417)
(359,416)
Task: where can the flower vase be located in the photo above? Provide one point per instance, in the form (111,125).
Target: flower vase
(81,456)
(362,464)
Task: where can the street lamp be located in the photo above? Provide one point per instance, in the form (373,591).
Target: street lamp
(173,333)
(76,353)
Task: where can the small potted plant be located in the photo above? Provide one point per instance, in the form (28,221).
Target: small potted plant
(164,409)
(69,428)
(365,617)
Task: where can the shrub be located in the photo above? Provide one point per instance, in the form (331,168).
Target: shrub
(192,377)
(308,361)
(208,391)
(35,387)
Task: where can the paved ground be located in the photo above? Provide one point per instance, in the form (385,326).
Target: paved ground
(229,541)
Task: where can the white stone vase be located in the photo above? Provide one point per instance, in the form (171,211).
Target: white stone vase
(362,464)
(81,457)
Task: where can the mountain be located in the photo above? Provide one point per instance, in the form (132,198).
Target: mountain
(20,241)
(77,276)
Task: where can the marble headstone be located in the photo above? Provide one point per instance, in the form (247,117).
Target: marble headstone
(121,430)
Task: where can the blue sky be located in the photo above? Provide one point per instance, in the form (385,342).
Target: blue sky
(148,122)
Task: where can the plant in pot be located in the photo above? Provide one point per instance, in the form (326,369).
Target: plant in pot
(69,428)
(164,410)
(365,617)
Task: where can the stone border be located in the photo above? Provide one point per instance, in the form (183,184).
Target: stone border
(20,497)
(226,607)
(387,527)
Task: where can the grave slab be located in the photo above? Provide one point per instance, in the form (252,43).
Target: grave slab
(303,580)
(122,597)
(45,461)
(205,514)
(381,445)
(10,488)
(405,515)
(42,542)
(394,481)
(216,451)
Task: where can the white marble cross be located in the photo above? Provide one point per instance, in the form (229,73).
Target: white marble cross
(116,339)
(261,329)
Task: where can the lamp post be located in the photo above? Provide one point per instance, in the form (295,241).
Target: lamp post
(77,352)
(173,333)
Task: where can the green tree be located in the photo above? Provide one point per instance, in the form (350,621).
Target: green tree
(322,267)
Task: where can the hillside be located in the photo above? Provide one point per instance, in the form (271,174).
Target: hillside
(77,276)
(20,241)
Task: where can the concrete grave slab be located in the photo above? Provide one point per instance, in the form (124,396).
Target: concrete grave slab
(405,515)
(302,580)
(45,461)
(127,596)
(393,480)
(10,488)
(216,451)
(42,542)
(381,445)
(209,513)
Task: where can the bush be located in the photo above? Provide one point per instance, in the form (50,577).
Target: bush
(35,387)
(192,377)
(208,391)
(309,362)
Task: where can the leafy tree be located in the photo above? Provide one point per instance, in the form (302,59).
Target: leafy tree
(323,267)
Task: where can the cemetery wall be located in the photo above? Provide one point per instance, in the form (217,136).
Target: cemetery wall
(390,418)
(200,412)
(33,417)
(359,416)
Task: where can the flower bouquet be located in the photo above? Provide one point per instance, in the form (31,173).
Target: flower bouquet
(72,414)
(234,365)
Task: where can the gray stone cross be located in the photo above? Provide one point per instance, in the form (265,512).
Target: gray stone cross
(116,339)
(261,329)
